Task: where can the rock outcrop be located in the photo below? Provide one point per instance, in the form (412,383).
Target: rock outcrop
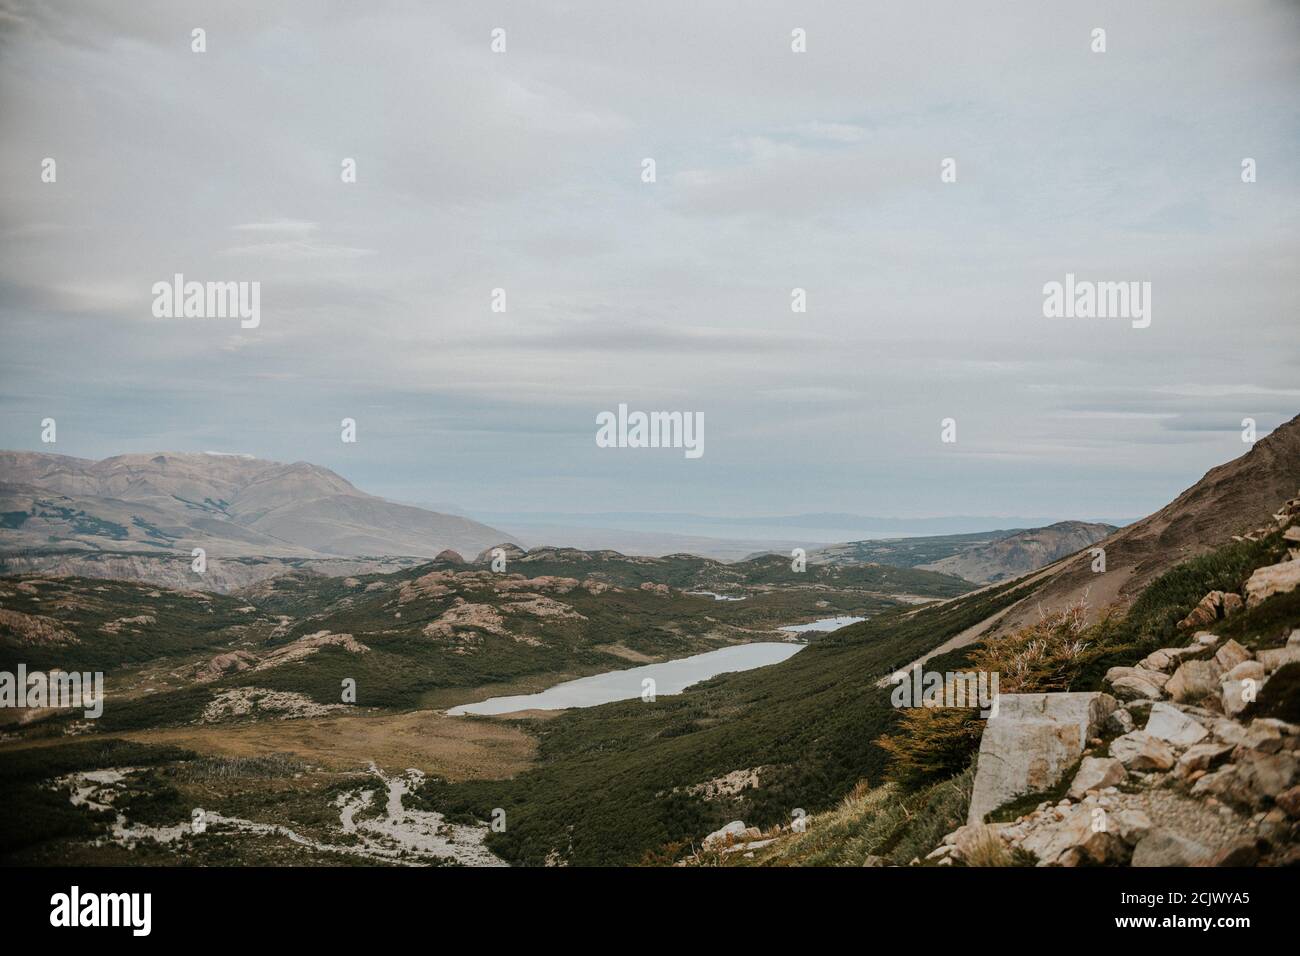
(1031,742)
(1191,779)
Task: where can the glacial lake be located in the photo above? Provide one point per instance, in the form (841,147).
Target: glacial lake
(670,677)
(825,624)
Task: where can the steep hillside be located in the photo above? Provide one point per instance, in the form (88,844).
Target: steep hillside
(1021,552)
(230,505)
(1229,500)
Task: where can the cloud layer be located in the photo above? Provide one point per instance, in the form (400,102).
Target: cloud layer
(775,170)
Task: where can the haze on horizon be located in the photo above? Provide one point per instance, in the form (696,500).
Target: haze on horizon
(522,170)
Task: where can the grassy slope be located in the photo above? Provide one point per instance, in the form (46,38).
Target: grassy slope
(813,719)
(183,622)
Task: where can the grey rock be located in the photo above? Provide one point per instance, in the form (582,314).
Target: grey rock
(1171,725)
(1230,655)
(1165,848)
(1031,743)
(1140,751)
(1097,773)
(1194,680)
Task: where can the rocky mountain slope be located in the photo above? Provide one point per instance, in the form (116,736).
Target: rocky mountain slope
(230,505)
(1168,738)
(1021,552)
(1228,501)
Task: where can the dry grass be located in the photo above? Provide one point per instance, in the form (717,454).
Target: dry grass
(450,747)
(1045,656)
(987,850)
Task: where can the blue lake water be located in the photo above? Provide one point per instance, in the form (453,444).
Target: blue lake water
(670,677)
(825,624)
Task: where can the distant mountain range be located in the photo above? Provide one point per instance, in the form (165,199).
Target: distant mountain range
(982,558)
(807,530)
(229,505)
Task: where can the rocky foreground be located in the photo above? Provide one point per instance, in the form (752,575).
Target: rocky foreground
(1187,757)
(1169,769)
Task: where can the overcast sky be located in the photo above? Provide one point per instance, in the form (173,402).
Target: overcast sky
(775,170)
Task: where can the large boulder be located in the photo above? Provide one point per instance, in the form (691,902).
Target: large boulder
(1204,756)
(1268,775)
(1255,781)
(1076,840)
(731,833)
(1230,655)
(1238,694)
(1275,657)
(1171,725)
(1097,773)
(1167,658)
(1140,751)
(1205,612)
(1274,579)
(1195,680)
(1246,669)
(1136,683)
(1134,687)
(1031,743)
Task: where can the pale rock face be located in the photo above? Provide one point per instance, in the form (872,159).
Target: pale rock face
(1273,658)
(1237,694)
(731,833)
(1097,773)
(1167,658)
(1194,680)
(1141,751)
(1230,655)
(1074,841)
(1246,669)
(1030,744)
(1171,725)
(1202,756)
(1136,683)
(1274,579)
